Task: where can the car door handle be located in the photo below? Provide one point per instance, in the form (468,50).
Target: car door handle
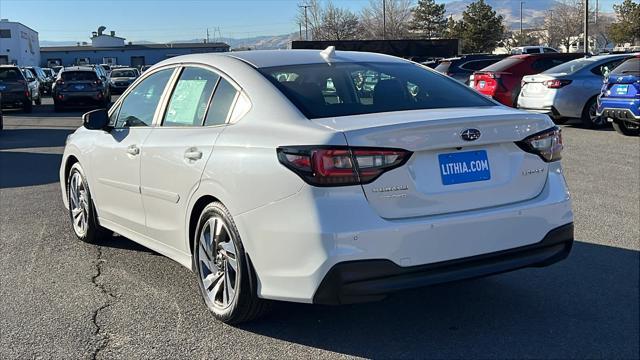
(133,150)
(193,154)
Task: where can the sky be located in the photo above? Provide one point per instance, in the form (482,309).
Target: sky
(165,20)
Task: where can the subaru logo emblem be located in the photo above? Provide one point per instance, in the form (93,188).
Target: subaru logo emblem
(470,134)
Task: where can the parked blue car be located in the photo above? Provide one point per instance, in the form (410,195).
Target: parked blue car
(619,100)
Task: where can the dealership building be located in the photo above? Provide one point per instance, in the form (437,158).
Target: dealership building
(114,50)
(19,44)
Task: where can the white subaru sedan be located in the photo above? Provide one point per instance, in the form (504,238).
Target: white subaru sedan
(320,177)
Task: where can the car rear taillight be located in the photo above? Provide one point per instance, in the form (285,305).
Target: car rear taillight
(97,82)
(546,144)
(486,83)
(556,83)
(340,165)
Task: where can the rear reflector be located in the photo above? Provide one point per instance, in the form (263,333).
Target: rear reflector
(340,165)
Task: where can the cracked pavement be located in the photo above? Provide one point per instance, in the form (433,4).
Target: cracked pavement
(61,298)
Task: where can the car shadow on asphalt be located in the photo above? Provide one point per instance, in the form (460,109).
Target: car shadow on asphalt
(18,169)
(35,137)
(584,306)
(117,241)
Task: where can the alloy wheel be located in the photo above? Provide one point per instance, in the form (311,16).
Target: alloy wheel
(79,204)
(597,121)
(218,263)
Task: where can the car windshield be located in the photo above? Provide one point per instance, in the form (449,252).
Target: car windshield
(631,66)
(569,67)
(10,74)
(343,89)
(123,73)
(79,76)
(504,64)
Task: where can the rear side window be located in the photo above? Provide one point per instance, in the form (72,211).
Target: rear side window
(504,64)
(606,68)
(344,89)
(10,74)
(631,66)
(190,97)
(79,76)
(140,105)
(221,104)
(477,64)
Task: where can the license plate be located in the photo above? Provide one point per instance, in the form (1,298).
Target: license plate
(79,87)
(464,167)
(622,89)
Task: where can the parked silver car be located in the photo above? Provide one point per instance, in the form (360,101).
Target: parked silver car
(569,90)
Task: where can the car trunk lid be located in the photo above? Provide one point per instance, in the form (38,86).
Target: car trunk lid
(445,173)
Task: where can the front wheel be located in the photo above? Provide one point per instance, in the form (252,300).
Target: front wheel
(626,128)
(81,208)
(223,269)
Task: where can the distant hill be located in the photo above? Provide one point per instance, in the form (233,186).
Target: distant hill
(533,11)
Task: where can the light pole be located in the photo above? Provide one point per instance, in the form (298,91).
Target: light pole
(521,2)
(586,27)
(306,21)
(384,19)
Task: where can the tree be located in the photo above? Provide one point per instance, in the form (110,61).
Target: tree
(398,14)
(565,22)
(428,19)
(482,27)
(627,25)
(338,24)
(328,22)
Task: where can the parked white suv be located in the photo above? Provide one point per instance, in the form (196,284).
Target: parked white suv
(277,175)
(532,50)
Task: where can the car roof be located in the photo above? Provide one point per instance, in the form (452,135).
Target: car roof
(125,68)
(269,58)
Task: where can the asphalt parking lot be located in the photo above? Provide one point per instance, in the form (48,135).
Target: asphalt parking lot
(61,298)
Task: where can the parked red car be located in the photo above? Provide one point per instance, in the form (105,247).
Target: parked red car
(502,80)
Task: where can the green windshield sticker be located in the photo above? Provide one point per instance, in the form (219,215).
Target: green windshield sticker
(184,101)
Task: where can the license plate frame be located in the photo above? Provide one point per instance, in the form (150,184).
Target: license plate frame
(464,167)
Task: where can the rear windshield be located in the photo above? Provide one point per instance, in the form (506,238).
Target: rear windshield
(631,66)
(569,67)
(123,73)
(79,76)
(343,89)
(10,74)
(504,64)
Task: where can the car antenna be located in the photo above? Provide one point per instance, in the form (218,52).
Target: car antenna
(328,53)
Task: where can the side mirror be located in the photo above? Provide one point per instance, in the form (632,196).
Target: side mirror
(96,120)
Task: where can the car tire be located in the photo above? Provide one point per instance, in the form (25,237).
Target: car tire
(38,101)
(230,294)
(560,120)
(625,128)
(589,118)
(57,107)
(82,212)
(27,106)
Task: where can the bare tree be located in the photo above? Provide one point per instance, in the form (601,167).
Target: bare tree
(564,23)
(397,14)
(328,22)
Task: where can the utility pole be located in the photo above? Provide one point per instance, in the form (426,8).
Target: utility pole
(207,36)
(306,21)
(586,26)
(384,19)
(596,17)
(521,2)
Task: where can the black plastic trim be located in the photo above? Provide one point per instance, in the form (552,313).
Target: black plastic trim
(371,280)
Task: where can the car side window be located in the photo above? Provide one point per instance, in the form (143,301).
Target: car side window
(221,104)
(605,69)
(140,105)
(190,97)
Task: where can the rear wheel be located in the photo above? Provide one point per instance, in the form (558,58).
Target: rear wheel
(223,269)
(626,128)
(38,101)
(82,211)
(589,118)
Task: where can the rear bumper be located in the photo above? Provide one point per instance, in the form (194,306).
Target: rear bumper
(14,98)
(79,97)
(370,280)
(620,114)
